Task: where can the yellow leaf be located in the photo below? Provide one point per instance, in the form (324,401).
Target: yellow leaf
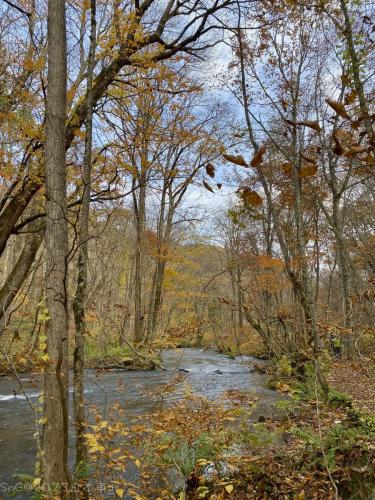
(229,488)
(36,482)
(138,463)
(120,492)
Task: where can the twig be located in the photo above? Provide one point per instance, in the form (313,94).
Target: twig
(20,9)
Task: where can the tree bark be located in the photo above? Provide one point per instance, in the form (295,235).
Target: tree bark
(55,473)
(140,219)
(81,290)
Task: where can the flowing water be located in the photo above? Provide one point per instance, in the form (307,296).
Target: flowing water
(207,373)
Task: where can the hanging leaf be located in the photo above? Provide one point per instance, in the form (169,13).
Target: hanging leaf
(219,185)
(291,122)
(339,108)
(337,147)
(250,197)
(355,124)
(311,124)
(370,159)
(309,159)
(237,160)
(345,79)
(355,150)
(210,169)
(207,186)
(308,170)
(351,97)
(258,157)
(287,168)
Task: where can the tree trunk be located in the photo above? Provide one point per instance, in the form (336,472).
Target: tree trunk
(80,296)
(20,270)
(356,72)
(55,429)
(344,261)
(164,238)
(140,215)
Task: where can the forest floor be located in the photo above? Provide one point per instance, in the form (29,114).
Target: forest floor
(357,379)
(324,447)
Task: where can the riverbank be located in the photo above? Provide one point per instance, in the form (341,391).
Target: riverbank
(307,444)
(323,447)
(113,357)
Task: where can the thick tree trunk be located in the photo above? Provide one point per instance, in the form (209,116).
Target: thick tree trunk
(9,259)
(20,270)
(14,209)
(80,296)
(55,430)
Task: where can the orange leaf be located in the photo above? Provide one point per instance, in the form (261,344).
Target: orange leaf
(250,197)
(258,157)
(237,160)
(308,170)
(339,108)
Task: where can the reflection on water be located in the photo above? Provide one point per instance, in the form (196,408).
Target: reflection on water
(207,373)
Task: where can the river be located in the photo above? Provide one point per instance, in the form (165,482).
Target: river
(207,373)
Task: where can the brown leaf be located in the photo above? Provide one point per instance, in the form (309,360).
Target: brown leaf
(287,168)
(237,160)
(355,124)
(351,97)
(210,169)
(311,124)
(207,186)
(309,159)
(258,157)
(250,197)
(219,185)
(355,150)
(345,79)
(370,159)
(339,108)
(337,147)
(308,170)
